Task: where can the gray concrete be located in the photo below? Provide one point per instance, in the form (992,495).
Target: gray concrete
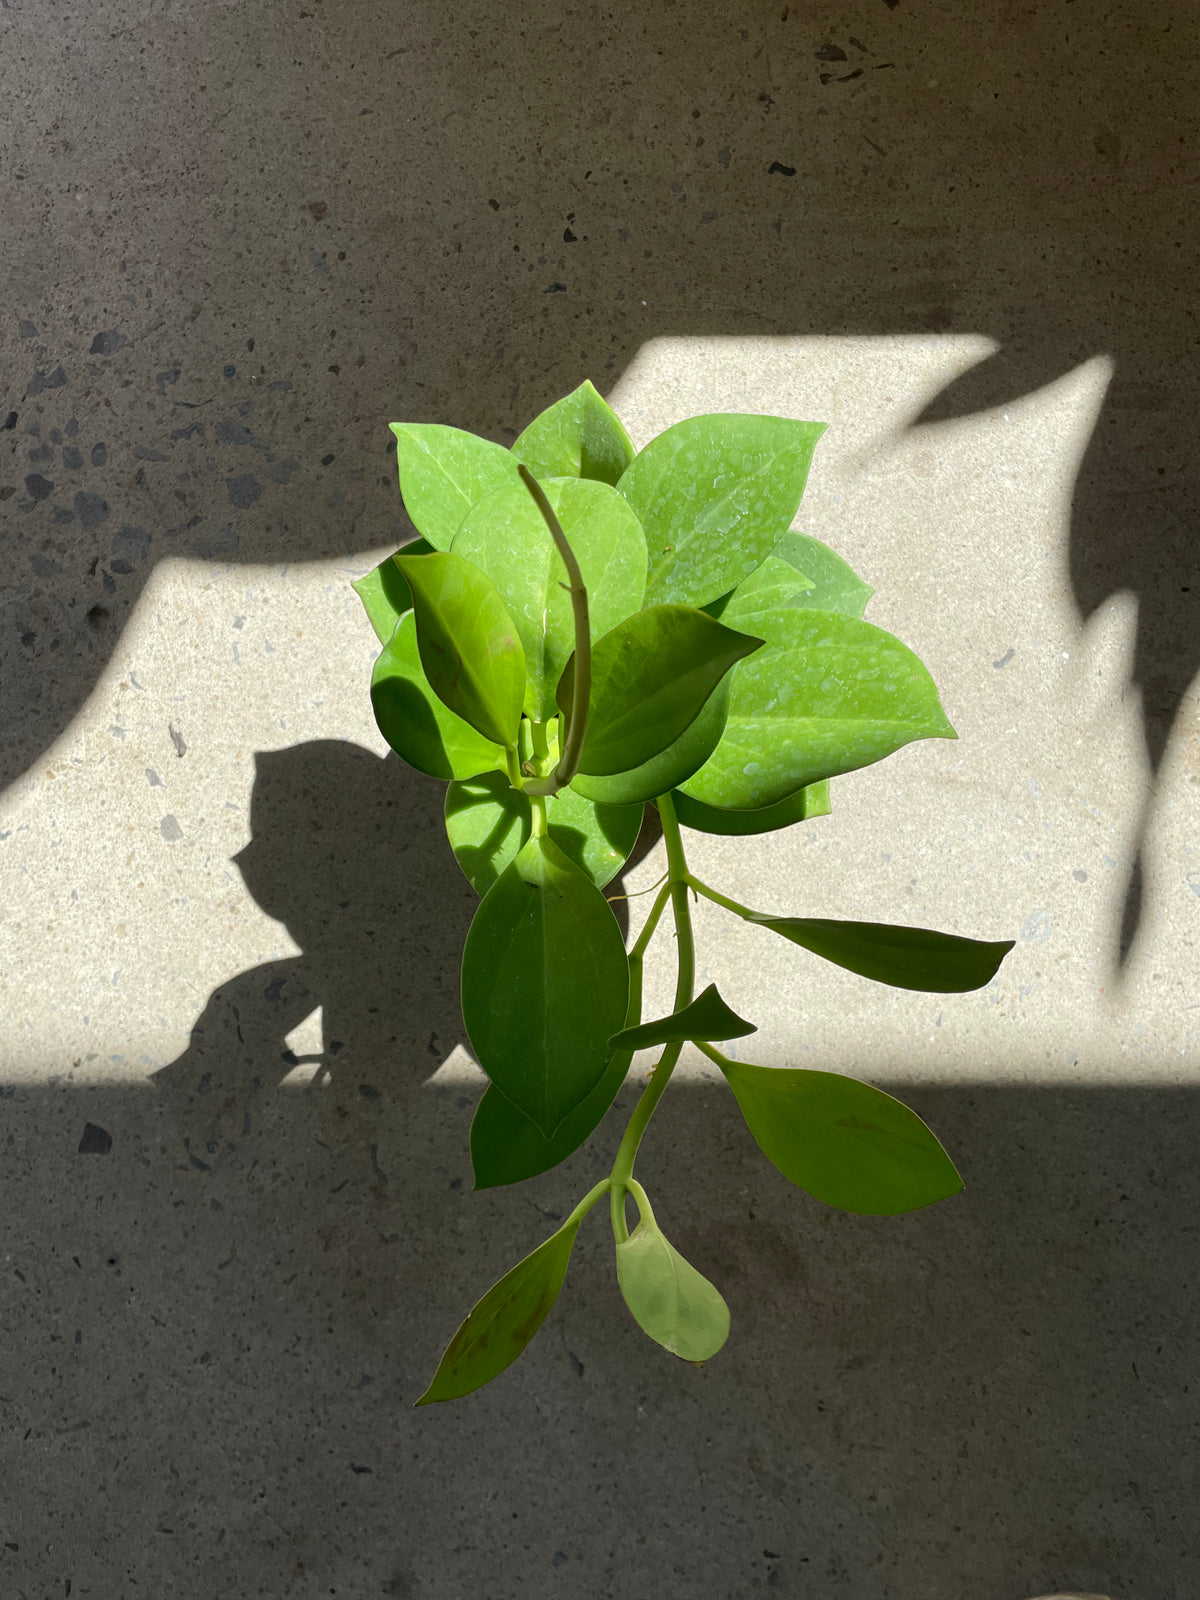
(234,1095)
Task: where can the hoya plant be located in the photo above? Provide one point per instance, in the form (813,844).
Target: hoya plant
(581,630)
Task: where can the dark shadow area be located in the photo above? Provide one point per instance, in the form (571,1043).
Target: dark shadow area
(215,1359)
(349,853)
(428,215)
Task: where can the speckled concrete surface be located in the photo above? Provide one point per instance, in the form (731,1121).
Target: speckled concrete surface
(239,240)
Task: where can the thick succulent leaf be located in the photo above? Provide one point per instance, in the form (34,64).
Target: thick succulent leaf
(414,721)
(799,807)
(708,1017)
(906,958)
(829,694)
(469,647)
(500,1326)
(488,821)
(669,1299)
(662,772)
(835,584)
(505,536)
(841,1140)
(545,983)
(506,1147)
(714,493)
(384,593)
(443,472)
(579,436)
(651,675)
(775,586)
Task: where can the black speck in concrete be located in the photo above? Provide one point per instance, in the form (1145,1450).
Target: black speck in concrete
(778,166)
(327,461)
(368,1091)
(335,369)
(229,370)
(26,329)
(96,1141)
(99,454)
(559,1559)
(556,288)
(60,514)
(576,1363)
(108,342)
(97,616)
(243,490)
(91,509)
(275,988)
(358,1471)
(250,344)
(10,421)
(830,52)
(39,488)
(72,457)
(162,379)
(177,740)
(130,547)
(45,380)
(375,1167)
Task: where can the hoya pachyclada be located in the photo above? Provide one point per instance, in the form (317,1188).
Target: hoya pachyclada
(583,629)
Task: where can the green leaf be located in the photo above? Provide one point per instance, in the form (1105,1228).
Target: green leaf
(669,1299)
(469,647)
(662,772)
(507,1148)
(500,1326)
(799,807)
(414,721)
(842,1141)
(505,537)
(829,694)
(835,584)
(775,586)
(545,982)
(577,437)
(651,675)
(443,472)
(384,593)
(714,494)
(907,958)
(488,821)
(708,1017)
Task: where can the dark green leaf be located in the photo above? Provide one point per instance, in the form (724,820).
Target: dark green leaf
(907,958)
(708,1017)
(507,1148)
(827,695)
(488,821)
(651,675)
(842,1141)
(505,536)
(714,494)
(498,1329)
(414,721)
(384,593)
(662,772)
(545,982)
(579,436)
(468,644)
(799,807)
(443,472)
(669,1299)
(835,585)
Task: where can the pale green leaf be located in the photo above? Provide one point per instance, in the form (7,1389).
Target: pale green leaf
(443,472)
(579,436)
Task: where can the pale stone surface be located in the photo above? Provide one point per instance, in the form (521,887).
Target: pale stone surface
(235,1095)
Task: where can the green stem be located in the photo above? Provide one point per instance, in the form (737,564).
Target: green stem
(721,899)
(651,923)
(677,887)
(513,762)
(539,740)
(586,1204)
(568,764)
(537,806)
(712,1053)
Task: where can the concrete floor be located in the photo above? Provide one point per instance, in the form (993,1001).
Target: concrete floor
(237,242)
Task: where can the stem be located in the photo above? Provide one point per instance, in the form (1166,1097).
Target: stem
(537,806)
(513,763)
(568,764)
(586,1204)
(677,887)
(647,933)
(721,899)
